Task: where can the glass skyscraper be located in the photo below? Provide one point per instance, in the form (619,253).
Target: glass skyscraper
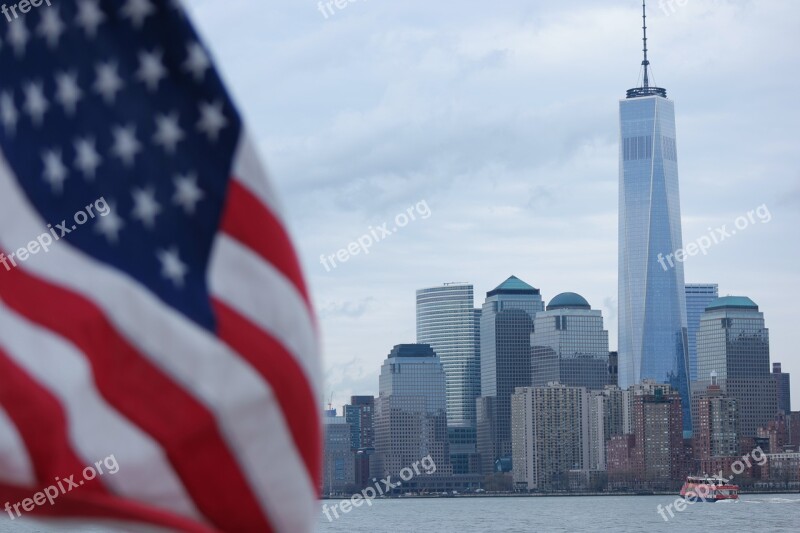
(733,349)
(448,321)
(653,340)
(698,297)
(569,344)
(410,416)
(506,325)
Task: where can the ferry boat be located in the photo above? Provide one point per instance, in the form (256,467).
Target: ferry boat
(708,489)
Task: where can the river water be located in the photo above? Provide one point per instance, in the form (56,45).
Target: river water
(613,514)
(607,514)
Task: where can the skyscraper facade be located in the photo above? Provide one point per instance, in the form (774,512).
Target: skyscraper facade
(569,344)
(449,323)
(658,426)
(783,386)
(652,452)
(410,412)
(733,349)
(360,415)
(698,297)
(652,303)
(550,435)
(506,325)
(607,410)
(716,431)
(339,466)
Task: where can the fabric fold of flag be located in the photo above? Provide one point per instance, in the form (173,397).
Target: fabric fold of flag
(152,306)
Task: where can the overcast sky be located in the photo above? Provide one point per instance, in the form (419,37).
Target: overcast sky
(502,119)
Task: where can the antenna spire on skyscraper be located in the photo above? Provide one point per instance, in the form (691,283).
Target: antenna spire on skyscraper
(645,89)
(645,63)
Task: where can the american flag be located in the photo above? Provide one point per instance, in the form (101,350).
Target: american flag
(174,332)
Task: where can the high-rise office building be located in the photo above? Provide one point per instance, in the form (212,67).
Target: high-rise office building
(733,348)
(410,412)
(506,325)
(698,297)
(613,368)
(652,452)
(550,435)
(607,410)
(569,344)
(783,388)
(716,427)
(658,428)
(652,301)
(448,321)
(338,466)
(360,414)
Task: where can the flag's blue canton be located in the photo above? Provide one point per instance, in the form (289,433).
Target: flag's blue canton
(117,99)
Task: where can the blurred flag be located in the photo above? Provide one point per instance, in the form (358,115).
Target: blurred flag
(151,303)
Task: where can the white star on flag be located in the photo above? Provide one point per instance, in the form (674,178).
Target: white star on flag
(146,208)
(187,193)
(151,69)
(18,36)
(172,267)
(110,224)
(89,16)
(35,103)
(55,173)
(86,157)
(51,27)
(68,93)
(168,132)
(197,61)
(212,120)
(108,82)
(137,11)
(126,145)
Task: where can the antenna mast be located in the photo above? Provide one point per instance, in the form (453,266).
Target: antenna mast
(645,89)
(645,63)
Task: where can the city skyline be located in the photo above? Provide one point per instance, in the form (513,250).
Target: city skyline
(519,160)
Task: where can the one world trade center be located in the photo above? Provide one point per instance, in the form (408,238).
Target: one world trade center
(652,302)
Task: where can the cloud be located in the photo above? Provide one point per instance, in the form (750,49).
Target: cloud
(347,309)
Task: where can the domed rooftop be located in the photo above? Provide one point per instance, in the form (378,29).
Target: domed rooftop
(568,300)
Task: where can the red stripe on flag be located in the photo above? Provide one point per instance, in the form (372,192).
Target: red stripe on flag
(247,220)
(88,505)
(146,396)
(42,424)
(284,375)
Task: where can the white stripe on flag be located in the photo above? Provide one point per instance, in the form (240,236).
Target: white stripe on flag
(233,272)
(249,171)
(243,404)
(96,430)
